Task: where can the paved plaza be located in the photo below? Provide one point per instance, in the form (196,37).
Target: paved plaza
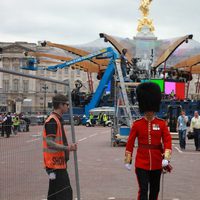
(102,173)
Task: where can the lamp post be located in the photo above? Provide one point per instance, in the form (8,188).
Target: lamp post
(45,88)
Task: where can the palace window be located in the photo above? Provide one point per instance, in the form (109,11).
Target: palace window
(5,85)
(16,61)
(54,73)
(16,68)
(15,85)
(53,87)
(25,85)
(66,71)
(41,87)
(72,74)
(78,72)
(6,63)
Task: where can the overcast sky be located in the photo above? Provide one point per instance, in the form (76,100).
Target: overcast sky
(81,21)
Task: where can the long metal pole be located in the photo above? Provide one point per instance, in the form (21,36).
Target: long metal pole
(74,141)
(165,65)
(45,98)
(188,85)
(90,82)
(162,190)
(197,84)
(32,76)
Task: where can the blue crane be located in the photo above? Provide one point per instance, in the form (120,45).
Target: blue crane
(108,52)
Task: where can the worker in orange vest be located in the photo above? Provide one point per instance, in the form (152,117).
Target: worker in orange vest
(56,151)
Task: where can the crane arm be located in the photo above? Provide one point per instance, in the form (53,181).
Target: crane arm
(80,59)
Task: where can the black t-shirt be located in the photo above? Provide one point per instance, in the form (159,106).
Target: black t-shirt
(51,129)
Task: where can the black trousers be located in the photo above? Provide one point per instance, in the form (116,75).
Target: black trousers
(2,130)
(197,138)
(8,130)
(60,187)
(149,182)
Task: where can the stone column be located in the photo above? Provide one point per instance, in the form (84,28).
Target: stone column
(2,95)
(1,74)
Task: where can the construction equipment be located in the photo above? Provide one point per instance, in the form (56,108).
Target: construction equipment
(32,65)
(107,52)
(125,110)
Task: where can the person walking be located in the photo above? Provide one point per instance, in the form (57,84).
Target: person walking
(28,122)
(7,123)
(56,151)
(124,63)
(16,124)
(91,118)
(105,119)
(195,127)
(154,143)
(100,120)
(182,128)
(172,94)
(1,124)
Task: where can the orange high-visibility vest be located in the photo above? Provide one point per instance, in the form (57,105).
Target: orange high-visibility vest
(54,159)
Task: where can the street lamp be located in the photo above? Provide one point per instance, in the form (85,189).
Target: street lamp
(45,88)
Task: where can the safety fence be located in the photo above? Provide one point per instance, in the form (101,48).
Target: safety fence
(22,173)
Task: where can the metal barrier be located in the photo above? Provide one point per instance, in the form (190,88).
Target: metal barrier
(21,162)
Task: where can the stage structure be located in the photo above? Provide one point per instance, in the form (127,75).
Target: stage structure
(146,54)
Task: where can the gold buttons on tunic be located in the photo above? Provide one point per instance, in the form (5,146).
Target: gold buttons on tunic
(149,132)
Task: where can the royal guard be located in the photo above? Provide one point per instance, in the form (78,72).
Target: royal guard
(154,143)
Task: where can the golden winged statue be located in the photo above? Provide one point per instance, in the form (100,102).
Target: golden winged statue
(145,21)
(144,7)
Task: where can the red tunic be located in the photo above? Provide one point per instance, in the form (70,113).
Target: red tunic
(149,133)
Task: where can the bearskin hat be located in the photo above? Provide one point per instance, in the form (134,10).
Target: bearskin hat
(149,97)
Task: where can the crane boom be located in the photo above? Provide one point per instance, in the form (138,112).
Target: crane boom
(80,59)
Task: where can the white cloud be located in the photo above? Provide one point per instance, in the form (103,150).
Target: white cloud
(73,22)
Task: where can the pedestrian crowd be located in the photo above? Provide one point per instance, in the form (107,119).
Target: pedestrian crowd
(12,123)
(101,119)
(194,130)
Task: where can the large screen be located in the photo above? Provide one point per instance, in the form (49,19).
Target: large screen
(170,87)
(160,82)
(180,91)
(177,88)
